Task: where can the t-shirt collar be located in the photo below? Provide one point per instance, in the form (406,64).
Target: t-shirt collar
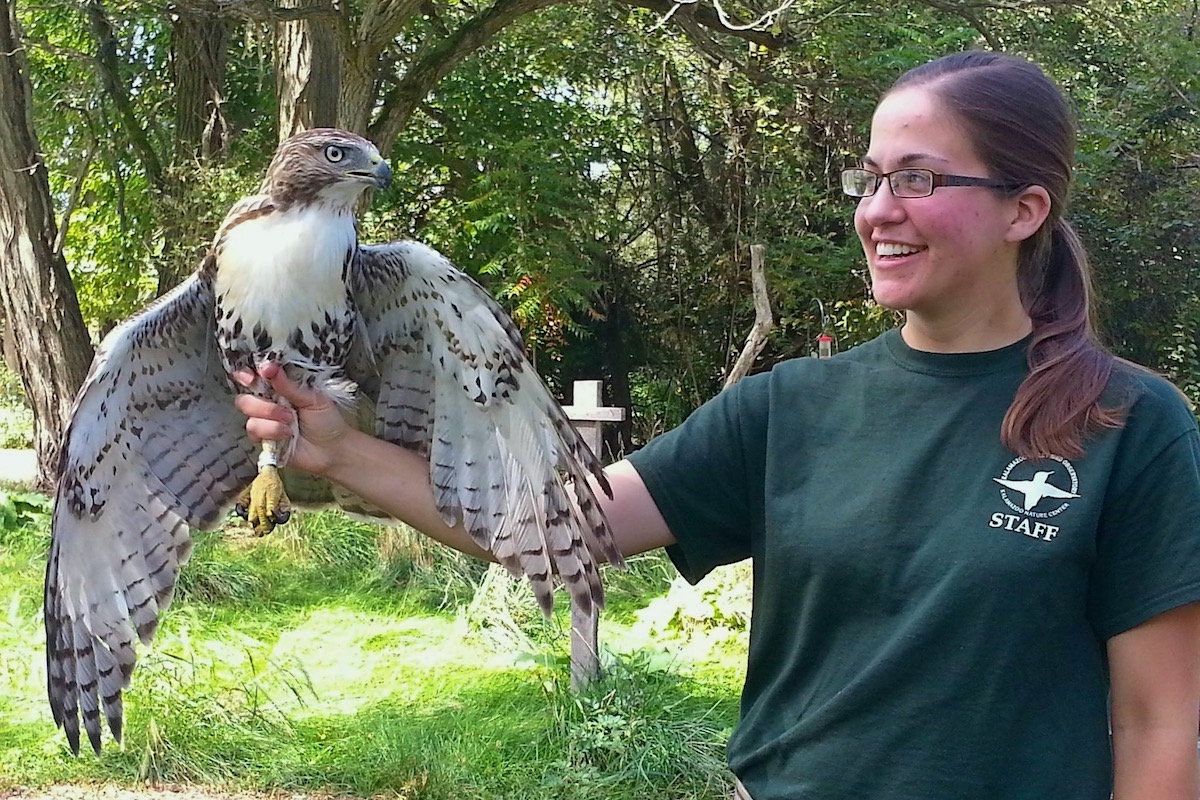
(1006,358)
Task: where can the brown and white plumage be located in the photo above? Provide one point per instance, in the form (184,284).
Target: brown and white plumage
(156,446)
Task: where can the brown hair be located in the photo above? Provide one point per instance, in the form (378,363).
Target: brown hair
(1022,128)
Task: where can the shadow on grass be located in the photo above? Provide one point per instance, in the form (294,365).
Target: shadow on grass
(467,734)
(326,668)
(322,559)
(330,559)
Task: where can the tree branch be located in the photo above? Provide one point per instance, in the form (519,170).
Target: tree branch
(109,69)
(968,13)
(764,320)
(264,10)
(438,61)
(73,199)
(66,52)
(711,18)
(383,20)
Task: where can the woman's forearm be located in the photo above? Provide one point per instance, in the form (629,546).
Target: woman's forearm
(396,481)
(1155,764)
(1155,672)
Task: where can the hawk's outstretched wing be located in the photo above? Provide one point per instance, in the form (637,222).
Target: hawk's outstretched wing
(448,373)
(155,445)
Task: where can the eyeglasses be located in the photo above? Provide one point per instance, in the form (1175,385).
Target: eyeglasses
(859,182)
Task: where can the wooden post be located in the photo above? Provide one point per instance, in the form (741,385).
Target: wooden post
(589,418)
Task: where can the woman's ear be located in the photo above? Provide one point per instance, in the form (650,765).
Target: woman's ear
(1030,209)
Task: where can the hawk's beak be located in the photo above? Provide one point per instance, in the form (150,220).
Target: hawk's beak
(382,174)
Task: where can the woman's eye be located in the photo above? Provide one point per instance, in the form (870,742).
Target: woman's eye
(915,181)
(334,153)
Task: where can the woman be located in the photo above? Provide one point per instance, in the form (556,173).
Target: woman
(971,536)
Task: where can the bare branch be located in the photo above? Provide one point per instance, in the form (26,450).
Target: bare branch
(764,320)
(711,18)
(735,27)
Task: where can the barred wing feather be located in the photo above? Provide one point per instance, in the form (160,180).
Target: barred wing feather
(447,370)
(155,447)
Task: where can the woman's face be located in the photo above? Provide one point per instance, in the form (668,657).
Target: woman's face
(947,258)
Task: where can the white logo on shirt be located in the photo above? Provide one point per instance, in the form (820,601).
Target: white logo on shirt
(1027,490)
(1037,489)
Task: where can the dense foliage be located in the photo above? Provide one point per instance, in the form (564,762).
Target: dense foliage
(604,169)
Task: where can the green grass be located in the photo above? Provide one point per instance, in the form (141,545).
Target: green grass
(331,657)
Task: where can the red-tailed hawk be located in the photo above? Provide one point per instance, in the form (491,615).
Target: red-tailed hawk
(402,339)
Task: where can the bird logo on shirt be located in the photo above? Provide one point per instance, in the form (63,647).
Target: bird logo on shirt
(1043,485)
(1037,489)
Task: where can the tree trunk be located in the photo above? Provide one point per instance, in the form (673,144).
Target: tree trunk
(108,67)
(199,54)
(307,70)
(689,161)
(38,297)
(664,220)
(358,91)
(200,47)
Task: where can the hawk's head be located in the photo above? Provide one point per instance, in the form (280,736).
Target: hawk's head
(324,164)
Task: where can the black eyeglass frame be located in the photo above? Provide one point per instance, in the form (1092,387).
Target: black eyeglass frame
(937,180)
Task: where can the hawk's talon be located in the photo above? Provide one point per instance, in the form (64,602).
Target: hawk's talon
(241,506)
(269,503)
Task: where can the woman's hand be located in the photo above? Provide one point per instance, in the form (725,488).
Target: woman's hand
(323,429)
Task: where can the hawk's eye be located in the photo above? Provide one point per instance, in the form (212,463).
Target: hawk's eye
(334,153)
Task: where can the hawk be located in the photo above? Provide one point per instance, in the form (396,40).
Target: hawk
(411,348)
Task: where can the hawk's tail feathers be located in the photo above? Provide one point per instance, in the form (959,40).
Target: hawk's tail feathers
(83,672)
(105,586)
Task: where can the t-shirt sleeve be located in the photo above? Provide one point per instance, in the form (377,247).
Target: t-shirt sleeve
(1148,545)
(701,475)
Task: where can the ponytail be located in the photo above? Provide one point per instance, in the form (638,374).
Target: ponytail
(1021,126)
(1058,404)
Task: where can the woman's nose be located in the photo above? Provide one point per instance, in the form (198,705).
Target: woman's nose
(882,206)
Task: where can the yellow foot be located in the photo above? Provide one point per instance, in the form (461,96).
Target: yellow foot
(265,504)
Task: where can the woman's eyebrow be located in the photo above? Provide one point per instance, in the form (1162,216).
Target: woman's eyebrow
(907,159)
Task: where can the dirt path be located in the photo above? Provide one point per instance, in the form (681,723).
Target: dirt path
(18,466)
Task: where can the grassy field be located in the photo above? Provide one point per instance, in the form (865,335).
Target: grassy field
(339,657)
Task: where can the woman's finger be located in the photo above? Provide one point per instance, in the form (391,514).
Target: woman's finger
(259,408)
(260,429)
(244,377)
(299,396)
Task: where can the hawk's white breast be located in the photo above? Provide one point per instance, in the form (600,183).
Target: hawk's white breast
(285,270)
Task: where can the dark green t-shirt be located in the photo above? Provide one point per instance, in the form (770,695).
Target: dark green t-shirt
(930,611)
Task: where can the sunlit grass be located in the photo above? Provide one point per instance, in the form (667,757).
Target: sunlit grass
(329,658)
